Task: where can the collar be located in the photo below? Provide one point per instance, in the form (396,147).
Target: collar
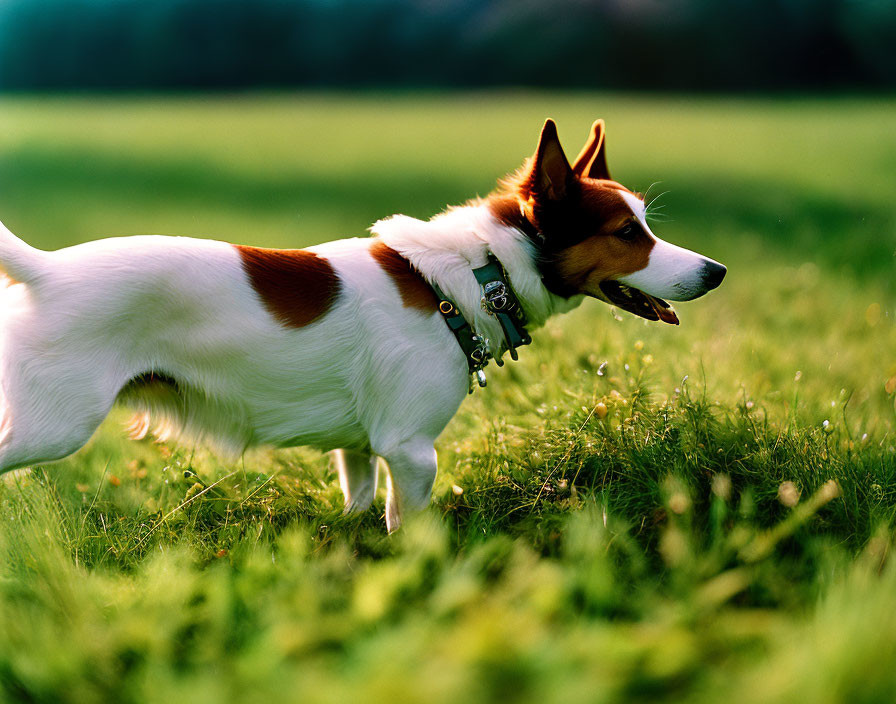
(498,300)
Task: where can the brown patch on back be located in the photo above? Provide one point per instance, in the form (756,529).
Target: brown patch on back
(295,285)
(414,291)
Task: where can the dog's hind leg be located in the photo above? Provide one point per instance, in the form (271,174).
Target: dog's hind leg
(357,478)
(43,422)
(22,447)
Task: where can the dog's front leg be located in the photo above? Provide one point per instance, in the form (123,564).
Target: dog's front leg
(412,471)
(357,478)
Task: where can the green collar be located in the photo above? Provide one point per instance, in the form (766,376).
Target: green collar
(498,300)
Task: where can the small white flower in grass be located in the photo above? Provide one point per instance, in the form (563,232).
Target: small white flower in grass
(827,427)
(679,503)
(798,376)
(830,490)
(721,486)
(788,494)
(457,490)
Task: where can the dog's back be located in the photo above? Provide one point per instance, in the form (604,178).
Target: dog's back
(193,335)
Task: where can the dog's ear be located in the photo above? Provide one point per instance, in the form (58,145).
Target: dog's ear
(592,161)
(550,174)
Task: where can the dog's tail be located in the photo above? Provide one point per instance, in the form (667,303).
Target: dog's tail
(20,261)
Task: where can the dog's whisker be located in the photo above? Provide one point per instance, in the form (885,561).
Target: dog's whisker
(656,198)
(647,192)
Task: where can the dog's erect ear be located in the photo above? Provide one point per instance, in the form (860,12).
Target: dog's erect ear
(592,161)
(551,175)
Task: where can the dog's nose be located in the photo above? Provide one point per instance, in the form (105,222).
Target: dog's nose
(713,273)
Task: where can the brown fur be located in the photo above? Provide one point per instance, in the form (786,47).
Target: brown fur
(415,292)
(296,286)
(508,208)
(602,258)
(595,254)
(600,255)
(592,160)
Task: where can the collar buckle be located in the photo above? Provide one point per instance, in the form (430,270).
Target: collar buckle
(496,299)
(499,300)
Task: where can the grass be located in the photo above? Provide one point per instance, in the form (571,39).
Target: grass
(723,531)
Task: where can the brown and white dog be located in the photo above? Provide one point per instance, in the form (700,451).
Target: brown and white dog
(339,346)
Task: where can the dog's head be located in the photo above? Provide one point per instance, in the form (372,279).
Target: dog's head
(591,234)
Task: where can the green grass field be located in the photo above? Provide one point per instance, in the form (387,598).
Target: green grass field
(723,533)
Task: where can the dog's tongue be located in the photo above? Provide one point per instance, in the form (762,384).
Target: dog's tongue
(662,309)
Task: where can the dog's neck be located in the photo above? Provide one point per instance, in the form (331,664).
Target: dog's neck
(447,248)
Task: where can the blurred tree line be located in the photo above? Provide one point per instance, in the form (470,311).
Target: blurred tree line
(657,44)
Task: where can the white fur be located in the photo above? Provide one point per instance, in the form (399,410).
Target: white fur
(371,377)
(448,247)
(672,272)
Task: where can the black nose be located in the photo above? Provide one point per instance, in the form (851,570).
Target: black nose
(713,273)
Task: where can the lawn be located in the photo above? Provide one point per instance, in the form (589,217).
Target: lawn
(723,531)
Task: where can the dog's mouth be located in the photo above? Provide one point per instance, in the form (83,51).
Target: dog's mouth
(637,302)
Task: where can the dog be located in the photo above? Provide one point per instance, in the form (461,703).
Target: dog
(351,346)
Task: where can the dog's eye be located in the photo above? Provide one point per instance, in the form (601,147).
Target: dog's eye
(627,233)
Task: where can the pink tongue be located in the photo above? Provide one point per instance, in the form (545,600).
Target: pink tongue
(662,309)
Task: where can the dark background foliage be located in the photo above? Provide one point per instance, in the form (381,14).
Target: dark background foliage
(757,45)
